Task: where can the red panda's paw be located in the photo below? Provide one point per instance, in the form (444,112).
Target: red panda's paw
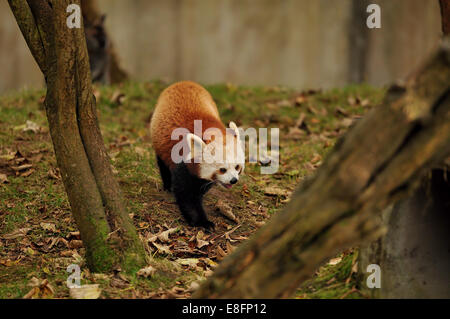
(208,225)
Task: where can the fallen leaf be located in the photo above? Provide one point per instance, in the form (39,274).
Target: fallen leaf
(66,253)
(194,286)
(75,244)
(347,122)
(48,227)
(142,152)
(85,292)
(259,224)
(27,173)
(6,263)
(17,233)
(220,252)
(162,248)
(3,179)
(191,262)
(230,248)
(54,173)
(335,261)
(275,191)
(299,100)
(31,126)
(40,289)
(225,210)
(22,167)
(146,272)
(118,98)
(200,242)
(164,236)
(28,126)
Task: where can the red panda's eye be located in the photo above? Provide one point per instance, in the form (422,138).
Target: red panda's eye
(223,170)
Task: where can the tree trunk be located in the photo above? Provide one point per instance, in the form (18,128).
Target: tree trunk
(379,161)
(96,201)
(445,14)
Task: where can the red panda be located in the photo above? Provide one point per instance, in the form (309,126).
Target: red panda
(221,158)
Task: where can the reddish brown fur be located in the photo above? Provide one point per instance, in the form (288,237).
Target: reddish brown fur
(177,107)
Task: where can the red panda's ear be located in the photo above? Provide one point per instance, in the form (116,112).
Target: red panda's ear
(195,145)
(234,127)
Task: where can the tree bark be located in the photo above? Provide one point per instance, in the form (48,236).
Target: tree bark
(379,161)
(445,14)
(96,201)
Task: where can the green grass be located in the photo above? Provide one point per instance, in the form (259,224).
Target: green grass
(26,201)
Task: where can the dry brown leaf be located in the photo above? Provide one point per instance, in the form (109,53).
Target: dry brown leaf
(220,252)
(164,236)
(17,233)
(40,289)
(85,292)
(230,248)
(142,152)
(275,191)
(118,98)
(6,263)
(146,272)
(190,262)
(3,179)
(347,122)
(66,253)
(75,244)
(335,261)
(193,286)
(48,227)
(21,167)
(299,100)
(259,224)
(54,173)
(200,239)
(226,210)
(27,173)
(162,248)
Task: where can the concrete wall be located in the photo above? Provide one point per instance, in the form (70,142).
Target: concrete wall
(17,67)
(297,43)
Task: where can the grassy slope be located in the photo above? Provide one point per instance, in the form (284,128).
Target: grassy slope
(34,196)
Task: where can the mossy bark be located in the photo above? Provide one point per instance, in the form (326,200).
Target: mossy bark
(96,201)
(378,162)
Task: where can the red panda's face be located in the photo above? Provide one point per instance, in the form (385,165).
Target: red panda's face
(222,162)
(228,175)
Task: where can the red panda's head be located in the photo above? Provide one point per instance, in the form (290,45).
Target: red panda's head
(221,158)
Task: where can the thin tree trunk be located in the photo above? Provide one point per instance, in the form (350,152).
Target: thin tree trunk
(445,14)
(378,162)
(96,201)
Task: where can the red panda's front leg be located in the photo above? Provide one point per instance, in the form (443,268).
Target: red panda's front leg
(189,191)
(166,175)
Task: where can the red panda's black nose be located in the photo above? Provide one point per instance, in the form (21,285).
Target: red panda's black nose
(233,180)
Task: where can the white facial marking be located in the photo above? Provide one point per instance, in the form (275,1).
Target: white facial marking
(227,167)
